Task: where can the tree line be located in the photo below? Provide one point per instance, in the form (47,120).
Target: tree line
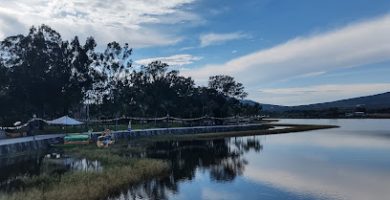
(42,74)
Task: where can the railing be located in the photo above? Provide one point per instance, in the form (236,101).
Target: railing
(2,134)
(146,119)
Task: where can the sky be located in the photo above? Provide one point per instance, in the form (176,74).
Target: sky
(285,52)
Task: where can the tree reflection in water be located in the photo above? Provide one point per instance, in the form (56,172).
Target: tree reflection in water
(14,169)
(223,158)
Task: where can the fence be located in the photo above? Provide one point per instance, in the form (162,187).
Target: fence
(2,134)
(167,121)
(182,131)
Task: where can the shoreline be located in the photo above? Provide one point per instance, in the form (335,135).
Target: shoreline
(290,128)
(119,172)
(367,117)
(122,171)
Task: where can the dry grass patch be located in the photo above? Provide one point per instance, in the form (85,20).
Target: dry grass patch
(118,173)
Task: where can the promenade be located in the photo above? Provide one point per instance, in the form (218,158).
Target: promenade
(9,141)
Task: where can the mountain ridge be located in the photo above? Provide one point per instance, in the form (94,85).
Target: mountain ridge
(376,101)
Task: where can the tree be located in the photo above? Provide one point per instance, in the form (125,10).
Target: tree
(114,65)
(155,71)
(4,81)
(4,85)
(34,63)
(42,74)
(47,76)
(227,86)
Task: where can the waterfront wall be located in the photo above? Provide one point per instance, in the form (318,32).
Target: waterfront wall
(2,135)
(20,146)
(181,131)
(27,145)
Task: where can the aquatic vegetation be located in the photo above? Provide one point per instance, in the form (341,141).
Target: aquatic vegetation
(118,173)
(287,128)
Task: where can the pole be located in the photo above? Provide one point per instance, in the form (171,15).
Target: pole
(33,126)
(116,123)
(88,114)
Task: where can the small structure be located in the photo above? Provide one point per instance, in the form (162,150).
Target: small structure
(106,139)
(356,114)
(73,138)
(65,120)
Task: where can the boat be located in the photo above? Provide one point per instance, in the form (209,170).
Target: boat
(15,133)
(76,139)
(106,139)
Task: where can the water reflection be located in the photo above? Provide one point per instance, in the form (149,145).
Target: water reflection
(351,162)
(222,159)
(70,164)
(14,169)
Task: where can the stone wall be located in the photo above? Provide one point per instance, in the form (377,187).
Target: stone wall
(2,134)
(26,147)
(29,145)
(181,130)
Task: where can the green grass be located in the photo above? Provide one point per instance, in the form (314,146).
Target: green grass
(101,127)
(290,128)
(118,172)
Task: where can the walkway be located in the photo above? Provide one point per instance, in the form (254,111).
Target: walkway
(9,141)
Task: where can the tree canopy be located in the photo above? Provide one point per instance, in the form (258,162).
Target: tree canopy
(42,74)
(227,86)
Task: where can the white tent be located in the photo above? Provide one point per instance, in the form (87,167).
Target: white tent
(65,120)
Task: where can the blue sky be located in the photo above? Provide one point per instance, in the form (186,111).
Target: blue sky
(287,52)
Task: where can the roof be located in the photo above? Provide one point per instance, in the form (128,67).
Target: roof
(65,120)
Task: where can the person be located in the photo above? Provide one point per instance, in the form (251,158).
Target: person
(30,128)
(129,126)
(106,139)
(90,133)
(106,132)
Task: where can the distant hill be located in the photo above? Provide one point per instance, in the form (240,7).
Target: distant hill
(378,101)
(267,107)
(274,108)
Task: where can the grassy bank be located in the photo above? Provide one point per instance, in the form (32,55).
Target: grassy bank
(289,128)
(118,172)
(101,127)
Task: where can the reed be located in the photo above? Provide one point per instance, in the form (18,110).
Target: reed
(289,128)
(119,172)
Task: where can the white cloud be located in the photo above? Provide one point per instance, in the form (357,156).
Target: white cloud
(122,20)
(319,93)
(353,45)
(347,182)
(291,166)
(186,48)
(219,38)
(174,60)
(357,140)
(208,193)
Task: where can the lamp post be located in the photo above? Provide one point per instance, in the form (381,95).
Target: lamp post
(88,102)
(33,125)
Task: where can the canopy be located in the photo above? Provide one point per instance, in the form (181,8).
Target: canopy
(65,120)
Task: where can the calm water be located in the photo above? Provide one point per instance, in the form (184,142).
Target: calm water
(351,162)
(14,168)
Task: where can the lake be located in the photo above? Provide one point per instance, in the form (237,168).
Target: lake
(350,162)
